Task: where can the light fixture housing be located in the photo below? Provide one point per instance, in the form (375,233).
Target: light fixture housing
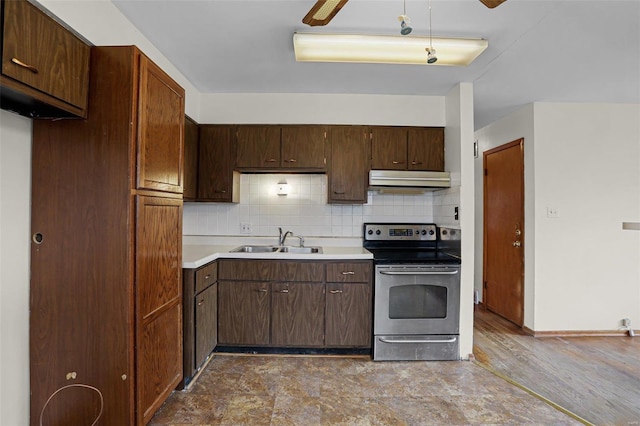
(385,49)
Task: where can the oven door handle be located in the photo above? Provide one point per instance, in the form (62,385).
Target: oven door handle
(419,272)
(393,341)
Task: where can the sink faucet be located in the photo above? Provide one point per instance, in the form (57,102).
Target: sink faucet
(283,237)
(301,239)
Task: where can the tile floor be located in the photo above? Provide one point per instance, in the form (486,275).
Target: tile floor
(298,390)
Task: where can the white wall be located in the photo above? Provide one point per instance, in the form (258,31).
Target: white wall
(459,161)
(15,200)
(581,269)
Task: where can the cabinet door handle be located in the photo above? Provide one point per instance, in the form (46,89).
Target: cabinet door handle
(220,191)
(270,160)
(23,65)
(416,162)
(348,273)
(291,160)
(335,291)
(283,291)
(200,302)
(261,290)
(338,192)
(397,162)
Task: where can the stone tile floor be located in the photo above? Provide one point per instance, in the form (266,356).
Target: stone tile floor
(310,390)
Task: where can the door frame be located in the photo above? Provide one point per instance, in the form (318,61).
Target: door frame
(517,142)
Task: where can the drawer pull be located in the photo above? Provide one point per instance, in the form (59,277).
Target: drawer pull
(206,277)
(335,291)
(23,65)
(201,302)
(348,273)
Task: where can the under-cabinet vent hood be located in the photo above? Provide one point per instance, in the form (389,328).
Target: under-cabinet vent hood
(404,181)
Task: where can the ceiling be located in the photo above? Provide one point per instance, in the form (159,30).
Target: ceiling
(547,51)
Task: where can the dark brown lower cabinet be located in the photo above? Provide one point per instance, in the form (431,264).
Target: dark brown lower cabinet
(348,315)
(297,314)
(244,312)
(206,313)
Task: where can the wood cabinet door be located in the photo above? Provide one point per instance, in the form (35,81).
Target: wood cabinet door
(388,148)
(303,147)
(426,149)
(190,190)
(206,311)
(216,163)
(350,156)
(258,147)
(297,314)
(348,310)
(158,301)
(244,313)
(42,54)
(160,130)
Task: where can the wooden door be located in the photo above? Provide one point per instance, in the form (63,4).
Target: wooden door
(388,148)
(504,231)
(206,311)
(425,149)
(158,304)
(190,190)
(348,315)
(303,147)
(160,130)
(297,314)
(216,163)
(258,147)
(244,312)
(350,156)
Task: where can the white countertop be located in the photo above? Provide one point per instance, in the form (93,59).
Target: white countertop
(198,251)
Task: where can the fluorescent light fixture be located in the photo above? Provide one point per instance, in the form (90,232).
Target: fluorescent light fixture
(384,49)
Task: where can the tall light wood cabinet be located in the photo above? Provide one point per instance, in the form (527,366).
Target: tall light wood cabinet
(106,293)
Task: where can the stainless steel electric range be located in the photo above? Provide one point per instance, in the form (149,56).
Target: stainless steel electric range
(417,291)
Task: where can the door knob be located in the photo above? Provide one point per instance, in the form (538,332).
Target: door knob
(517,244)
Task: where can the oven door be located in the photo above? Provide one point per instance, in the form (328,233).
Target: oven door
(417,300)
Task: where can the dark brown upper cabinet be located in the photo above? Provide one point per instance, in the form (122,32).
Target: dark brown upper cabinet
(407,148)
(349,155)
(160,130)
(287,148)
(217,180)
(190,191)
(45,67)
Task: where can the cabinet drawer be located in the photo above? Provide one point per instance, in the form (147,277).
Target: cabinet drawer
(349,272)
(206,276)
(271,270)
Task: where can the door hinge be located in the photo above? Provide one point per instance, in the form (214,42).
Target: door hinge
(485,284)
(486,172)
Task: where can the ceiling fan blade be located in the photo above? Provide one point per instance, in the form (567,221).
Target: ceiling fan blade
(323,11)
(492,3)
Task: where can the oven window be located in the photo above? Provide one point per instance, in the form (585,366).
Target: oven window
(417,301)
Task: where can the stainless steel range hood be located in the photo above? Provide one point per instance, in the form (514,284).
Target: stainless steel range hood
(404,181)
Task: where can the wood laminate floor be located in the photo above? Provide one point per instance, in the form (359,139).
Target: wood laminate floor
(597,378)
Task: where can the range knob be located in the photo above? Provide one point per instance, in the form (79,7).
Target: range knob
(444,232)
(424,232)
(431,232)
(370,232)
(378,232)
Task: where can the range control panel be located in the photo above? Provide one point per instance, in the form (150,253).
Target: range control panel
(400,232)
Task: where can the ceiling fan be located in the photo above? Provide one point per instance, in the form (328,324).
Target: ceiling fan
(324,10)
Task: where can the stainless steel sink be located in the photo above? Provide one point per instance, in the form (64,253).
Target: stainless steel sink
(255,249)
(276,249)
(300,250)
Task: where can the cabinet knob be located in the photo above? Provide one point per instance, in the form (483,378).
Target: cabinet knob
(206,277)
(200,302)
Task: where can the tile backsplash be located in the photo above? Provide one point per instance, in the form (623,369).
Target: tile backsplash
(304,210)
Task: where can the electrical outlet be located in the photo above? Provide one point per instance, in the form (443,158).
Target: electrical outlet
(455,213)
(245,228)
(552,212)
